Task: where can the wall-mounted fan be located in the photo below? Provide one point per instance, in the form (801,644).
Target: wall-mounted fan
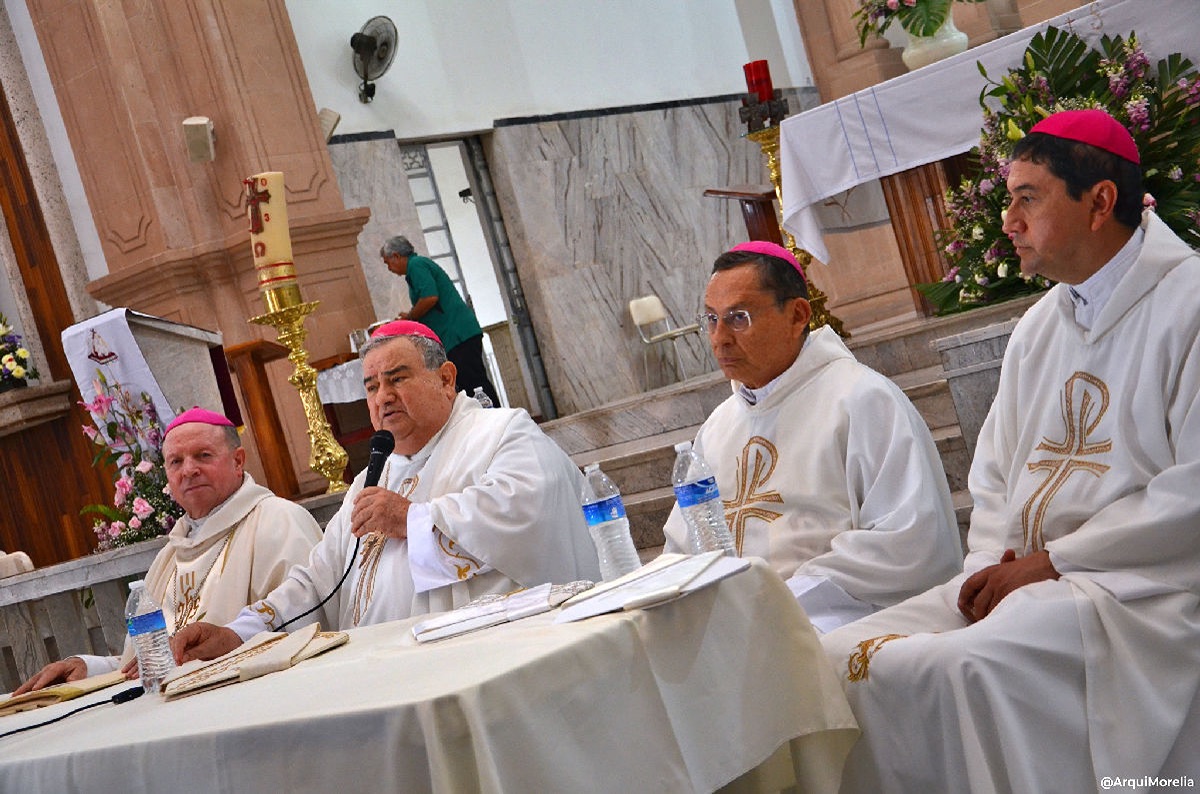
(374,48)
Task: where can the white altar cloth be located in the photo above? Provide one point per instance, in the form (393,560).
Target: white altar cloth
(680,698)
(342,384)
(933,113)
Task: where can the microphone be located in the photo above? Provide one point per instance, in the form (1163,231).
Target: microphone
(382,444)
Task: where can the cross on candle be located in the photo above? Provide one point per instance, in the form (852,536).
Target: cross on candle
(254,197)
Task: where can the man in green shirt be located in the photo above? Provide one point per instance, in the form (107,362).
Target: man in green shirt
(437,303)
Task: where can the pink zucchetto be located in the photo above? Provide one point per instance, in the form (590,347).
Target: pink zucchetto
(771,249)
(1092,126)
(405,328)
(201,416)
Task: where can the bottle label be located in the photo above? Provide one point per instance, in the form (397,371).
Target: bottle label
(609,509)
(698,492)
(151,621)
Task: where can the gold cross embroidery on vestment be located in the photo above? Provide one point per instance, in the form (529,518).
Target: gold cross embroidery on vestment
(754,469)
(185,592)
(1080,424)
(372,550)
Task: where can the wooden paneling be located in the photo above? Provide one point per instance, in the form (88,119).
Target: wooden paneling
(916,202)
(46,469)
(48,478)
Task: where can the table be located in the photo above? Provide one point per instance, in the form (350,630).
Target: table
(934,113)
(680,698)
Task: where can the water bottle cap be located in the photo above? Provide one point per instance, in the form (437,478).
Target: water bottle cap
(138,585)
(683,446)
(591,467)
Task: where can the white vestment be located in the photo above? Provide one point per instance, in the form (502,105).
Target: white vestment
(1091,451)
(505,510)
(834,480)
(241,552)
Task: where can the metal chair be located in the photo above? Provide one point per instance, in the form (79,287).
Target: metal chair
(648,313)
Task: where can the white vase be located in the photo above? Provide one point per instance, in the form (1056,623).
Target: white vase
(924,50)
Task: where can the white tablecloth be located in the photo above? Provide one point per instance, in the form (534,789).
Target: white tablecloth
(342,384)
(680,698)
(933,113)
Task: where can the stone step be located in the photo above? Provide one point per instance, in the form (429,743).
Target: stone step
(962,513)
(647,512)
(952,449)
(654,413)
(909,347)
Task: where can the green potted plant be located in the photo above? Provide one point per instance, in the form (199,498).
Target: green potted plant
(917,17)
(1159,105)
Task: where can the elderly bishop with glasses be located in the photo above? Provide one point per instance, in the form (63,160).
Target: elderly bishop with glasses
(826,469)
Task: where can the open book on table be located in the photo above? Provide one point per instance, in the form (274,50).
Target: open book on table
(59,692)
(264,653)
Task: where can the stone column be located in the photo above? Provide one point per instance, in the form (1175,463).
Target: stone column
(174,232)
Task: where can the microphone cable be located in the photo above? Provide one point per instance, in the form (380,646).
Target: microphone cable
(133,693)
(382,444)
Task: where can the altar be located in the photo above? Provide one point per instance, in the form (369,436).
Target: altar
(933,113)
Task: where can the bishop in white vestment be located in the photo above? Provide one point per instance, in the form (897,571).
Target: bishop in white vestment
(825,468)
(473,502)
(1068,653)
(233,545)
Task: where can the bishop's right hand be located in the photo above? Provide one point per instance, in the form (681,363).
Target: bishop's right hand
(70,669)
(203,641)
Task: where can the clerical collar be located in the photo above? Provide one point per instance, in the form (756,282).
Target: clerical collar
(1092,295)
(194,525)
(755,396)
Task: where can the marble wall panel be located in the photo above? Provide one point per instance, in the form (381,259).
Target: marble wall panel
(370,174)
(604,208)
(608,207)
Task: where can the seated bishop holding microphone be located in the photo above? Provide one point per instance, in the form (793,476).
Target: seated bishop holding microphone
(471,502)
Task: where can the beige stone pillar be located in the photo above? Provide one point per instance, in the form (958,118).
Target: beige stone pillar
(174,232)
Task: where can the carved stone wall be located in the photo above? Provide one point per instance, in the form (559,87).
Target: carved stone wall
(173,231)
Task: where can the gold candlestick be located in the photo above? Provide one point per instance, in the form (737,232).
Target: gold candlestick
(326,456)
(768,140)
(266,210)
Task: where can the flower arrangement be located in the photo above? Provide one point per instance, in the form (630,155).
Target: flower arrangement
(16,367)
(1060,71)
(917,17)
(129,438)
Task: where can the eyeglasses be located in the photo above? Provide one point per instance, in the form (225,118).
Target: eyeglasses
(738,320)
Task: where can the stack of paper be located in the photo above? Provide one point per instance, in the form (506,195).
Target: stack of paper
(666,578)
(490,611)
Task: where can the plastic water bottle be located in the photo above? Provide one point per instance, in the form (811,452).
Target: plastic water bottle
(482,397)
(148,632)
(700,503)
(605,515)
